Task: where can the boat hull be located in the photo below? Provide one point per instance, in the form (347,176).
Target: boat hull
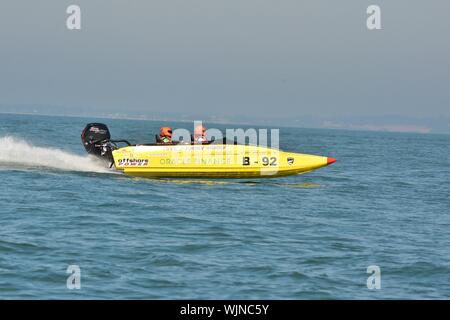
(212,161)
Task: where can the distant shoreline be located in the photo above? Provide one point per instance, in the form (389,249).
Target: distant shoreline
(401,128)
(352,128)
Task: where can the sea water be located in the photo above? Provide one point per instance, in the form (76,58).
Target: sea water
(384,203)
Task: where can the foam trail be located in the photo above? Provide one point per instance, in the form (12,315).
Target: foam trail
(18,153)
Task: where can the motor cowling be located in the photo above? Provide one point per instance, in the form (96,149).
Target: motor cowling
(96,140)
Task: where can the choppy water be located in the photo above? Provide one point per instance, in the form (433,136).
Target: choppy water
(385,202)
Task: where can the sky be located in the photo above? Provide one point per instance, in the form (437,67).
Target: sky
(235,58)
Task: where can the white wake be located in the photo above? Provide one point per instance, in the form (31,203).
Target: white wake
(17,153)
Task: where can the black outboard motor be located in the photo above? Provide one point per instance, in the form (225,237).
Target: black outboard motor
(97,141)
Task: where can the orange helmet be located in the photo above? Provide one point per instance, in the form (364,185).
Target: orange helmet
(200,130)
(165,132)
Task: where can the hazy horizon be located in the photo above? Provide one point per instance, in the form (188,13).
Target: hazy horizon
(392,123)
(228,59)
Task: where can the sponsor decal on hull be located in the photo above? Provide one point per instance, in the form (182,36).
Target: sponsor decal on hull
(133,162)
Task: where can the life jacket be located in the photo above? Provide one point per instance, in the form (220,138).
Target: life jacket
(165,140)
(165,135)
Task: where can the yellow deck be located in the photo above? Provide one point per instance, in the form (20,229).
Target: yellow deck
(213,161)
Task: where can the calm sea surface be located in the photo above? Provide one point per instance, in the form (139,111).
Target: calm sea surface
(385,202)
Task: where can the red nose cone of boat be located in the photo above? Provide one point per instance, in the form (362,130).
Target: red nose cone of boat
(331,160)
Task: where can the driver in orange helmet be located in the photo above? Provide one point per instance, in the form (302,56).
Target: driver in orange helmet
(200,134)
(165,135)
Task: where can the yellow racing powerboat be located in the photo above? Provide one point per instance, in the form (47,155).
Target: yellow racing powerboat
(188,160)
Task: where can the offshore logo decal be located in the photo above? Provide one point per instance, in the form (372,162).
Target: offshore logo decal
(133,162)
(97,130)
(290,161)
